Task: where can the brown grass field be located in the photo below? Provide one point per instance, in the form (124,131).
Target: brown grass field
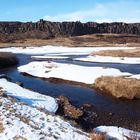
(119,87)
(119,53)
(94,40)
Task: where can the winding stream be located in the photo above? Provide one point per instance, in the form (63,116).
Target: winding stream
(79,95)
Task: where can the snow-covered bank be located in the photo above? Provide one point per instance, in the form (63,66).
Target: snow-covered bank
(48,57)
(136,76)
(109,59)
(69,72)
(22,122)
(118,133)
(59,50)
(29,97)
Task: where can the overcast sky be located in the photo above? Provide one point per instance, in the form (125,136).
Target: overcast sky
(70,10)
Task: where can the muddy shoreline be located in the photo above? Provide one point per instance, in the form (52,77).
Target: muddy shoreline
(61,81)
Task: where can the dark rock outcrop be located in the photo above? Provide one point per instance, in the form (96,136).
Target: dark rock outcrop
(7,59)
(68,110)
(46,29)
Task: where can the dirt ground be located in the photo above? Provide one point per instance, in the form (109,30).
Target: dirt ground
(94,40)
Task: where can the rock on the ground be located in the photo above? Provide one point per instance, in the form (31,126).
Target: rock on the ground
(67,109)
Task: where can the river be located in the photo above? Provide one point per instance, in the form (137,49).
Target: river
(78,95)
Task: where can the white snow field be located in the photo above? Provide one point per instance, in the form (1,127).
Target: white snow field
(108,59)
(69,72)
(29,97)
(23,122)
(58,50)
(20,121)
(118,133)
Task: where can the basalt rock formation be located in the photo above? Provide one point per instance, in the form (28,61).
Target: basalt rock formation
(46,29)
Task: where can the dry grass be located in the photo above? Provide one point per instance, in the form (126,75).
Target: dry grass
(97,136)
(23,119)
(1,92)
(19,138)
(119,53)
(1,127)
(69,110)
(119,87)
(70,42)
(95,40)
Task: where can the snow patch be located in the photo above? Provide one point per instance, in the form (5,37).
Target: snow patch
(32,124)
(136,76)
(49,57)
(108,59)
(58,50)
(118,132)
(29,97)
(69,72)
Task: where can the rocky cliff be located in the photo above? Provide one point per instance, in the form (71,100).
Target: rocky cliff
(45,29)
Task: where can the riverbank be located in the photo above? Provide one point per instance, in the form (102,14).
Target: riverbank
(88,116)
(21,121)
(35,122)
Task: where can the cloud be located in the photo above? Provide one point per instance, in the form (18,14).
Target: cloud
(126,20)
(123,11)
(76,16)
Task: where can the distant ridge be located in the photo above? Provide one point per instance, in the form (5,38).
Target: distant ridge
(46,29)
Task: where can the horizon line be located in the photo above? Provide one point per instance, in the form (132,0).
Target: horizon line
(10,21)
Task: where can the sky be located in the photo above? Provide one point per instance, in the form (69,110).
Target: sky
(71,10)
